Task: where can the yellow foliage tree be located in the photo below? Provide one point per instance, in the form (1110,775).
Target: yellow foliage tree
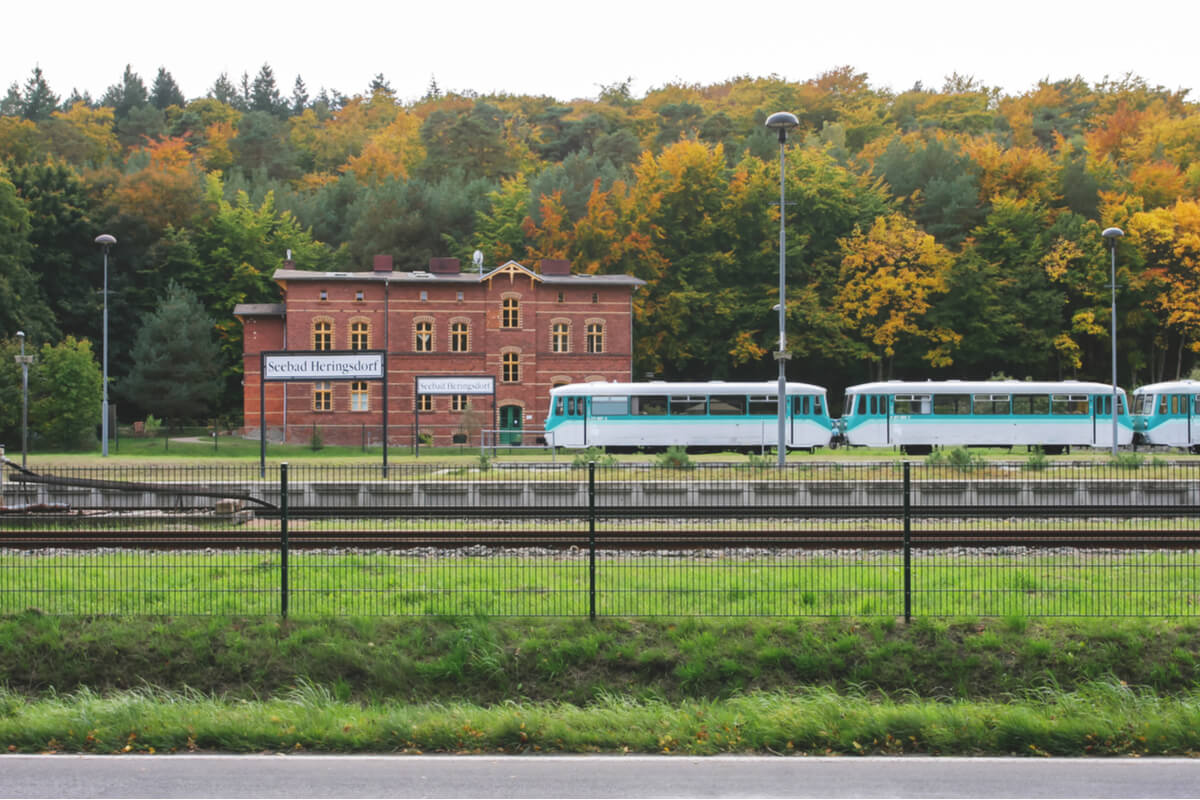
(889,276)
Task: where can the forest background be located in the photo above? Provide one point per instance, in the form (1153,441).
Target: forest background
(943,233)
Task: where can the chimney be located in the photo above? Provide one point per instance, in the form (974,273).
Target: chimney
(443,266)
(555,266)
(383,263)
(288,263)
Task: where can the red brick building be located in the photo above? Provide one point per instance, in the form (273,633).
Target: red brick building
(529,330)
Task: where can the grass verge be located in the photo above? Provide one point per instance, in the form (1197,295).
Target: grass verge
(688,686)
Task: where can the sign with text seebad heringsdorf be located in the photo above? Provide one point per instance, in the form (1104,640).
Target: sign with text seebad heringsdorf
(323,365)
(457,384)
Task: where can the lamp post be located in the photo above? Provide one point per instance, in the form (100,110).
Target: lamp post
(1111,235)
(106,241)
(782,121)
(24,361)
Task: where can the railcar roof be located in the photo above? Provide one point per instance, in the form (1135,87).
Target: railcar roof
(1169,386)
(601,388)
(980,387)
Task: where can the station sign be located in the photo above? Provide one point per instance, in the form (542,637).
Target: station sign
(319,365)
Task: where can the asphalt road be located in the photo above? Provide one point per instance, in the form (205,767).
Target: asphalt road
(172,776)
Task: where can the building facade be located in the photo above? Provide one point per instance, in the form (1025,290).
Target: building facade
(528,330)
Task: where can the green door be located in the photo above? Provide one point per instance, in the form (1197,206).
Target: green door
(510,425)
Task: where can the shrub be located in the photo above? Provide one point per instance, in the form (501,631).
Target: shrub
(674,457)
(596,454)
(1037,460)
(1127,460)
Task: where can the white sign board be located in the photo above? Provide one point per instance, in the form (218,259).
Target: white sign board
(466,384)
(318,366)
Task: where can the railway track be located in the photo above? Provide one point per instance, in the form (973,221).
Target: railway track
(634,540)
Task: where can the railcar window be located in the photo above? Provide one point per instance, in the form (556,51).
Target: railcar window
(764,405)
(911,404)
(1031,404)
(1196,405)
(688,406)
(1144,404)
(1174,404)
(991,404)
(1162,404)
(1068,404)
(872,404)
(610,406)
(727,405)
(650,406)
(952,404)
(570,406)
(817,405)
(558,406)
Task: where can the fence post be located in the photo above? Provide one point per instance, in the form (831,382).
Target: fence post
(283,540)
(907,544)
(592,540)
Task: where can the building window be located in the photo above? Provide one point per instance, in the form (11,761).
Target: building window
(458,402)
(510,368)
(560,297)
(423,336)
(595,297)
(360,336)
(358,296)
(358,396)
(560,337)
(424,295)
(510,313)
(323,396)
(324,295)
(424,402)
(458,296)
(595,337)
(460,340)
(323,335)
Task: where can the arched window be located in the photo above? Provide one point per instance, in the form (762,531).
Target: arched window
(360,335)
(423,336)
(595,337)
(322,396)
(359,396)
(510,367)
(322,335)
(460,337)
(510,313)
(560,337)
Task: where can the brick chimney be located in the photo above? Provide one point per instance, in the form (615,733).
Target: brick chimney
(383,263)
(555,266)
(443,266)
(288,263)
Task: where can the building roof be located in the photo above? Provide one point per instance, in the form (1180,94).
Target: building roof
(284,275)
(259,310)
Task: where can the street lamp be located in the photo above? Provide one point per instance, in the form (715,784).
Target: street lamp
(24,361)
(782,122)
(1112,234)
(106,241)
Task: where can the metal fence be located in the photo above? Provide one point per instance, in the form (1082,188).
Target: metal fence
(892,539)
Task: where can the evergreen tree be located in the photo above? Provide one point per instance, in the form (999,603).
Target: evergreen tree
(177,368)
(129,94)
(10,106)
(380,84)
(299,97)
(38,102)
(264,94)
(224,91)
(166,92)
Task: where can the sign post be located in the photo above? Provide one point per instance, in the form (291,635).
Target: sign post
(318,365)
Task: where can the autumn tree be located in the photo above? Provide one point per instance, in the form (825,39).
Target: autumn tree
(890,276)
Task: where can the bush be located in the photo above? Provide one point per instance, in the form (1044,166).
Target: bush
(1127,460)
(957,457)
(674,457)
(315,442)
(596,454)
(1037,460)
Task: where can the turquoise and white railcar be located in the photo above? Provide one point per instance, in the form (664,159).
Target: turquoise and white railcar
(1167,414)
(918,416)
(711,414)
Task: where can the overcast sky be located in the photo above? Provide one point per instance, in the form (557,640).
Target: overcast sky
(568,49)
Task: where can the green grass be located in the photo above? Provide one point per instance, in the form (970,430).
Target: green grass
(247,582)
(681,686)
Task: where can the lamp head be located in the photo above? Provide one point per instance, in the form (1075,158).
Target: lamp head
(1112,234)
(783,122)
(106,239)
(20,334)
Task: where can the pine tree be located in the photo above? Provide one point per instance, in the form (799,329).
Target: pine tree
(176,360)
(225,92)
(38,102)
(166,92)
(264,94)
(299,97)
